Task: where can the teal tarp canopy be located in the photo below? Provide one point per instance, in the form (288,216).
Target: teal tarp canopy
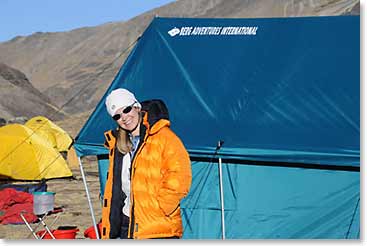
(282,93)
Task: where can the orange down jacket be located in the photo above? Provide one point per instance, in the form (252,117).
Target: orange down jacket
(160,178)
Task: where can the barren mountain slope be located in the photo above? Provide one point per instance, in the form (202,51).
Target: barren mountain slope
(19,98)
(75,68)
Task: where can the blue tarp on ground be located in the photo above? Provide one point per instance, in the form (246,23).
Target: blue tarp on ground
(282,93)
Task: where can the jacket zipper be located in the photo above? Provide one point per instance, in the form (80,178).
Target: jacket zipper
(146,134)
(131,190)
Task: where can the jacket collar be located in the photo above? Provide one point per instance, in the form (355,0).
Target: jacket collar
(157,125)
(110,139)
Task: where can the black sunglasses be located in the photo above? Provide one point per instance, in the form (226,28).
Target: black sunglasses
(126,110)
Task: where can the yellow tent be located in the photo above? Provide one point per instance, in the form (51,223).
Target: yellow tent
(72,158)
(26,156)
(59,139)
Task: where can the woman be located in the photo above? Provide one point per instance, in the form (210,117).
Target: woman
(149,171)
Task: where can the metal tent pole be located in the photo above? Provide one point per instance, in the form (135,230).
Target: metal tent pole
(222,198)
(88,197)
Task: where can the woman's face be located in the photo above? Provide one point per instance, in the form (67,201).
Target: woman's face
(129,119)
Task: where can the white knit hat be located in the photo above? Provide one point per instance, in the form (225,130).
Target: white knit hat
(120,98)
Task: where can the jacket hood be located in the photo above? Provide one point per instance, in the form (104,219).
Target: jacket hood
(155,115)
(156,109)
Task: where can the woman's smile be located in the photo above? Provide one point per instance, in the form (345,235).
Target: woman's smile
(129,121)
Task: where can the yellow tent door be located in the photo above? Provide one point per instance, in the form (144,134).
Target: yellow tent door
(27,156)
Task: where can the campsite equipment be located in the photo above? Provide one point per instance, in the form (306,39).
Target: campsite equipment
(43,207)
(219,145)
(41,221)
(43,202)
(47,129)
(55,135)
(91,233)
(62,232)
(26,156)
(28,187)
(88,198)
(284,95)
(12,202)
(72,158)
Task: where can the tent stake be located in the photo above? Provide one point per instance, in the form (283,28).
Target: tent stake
(88,197)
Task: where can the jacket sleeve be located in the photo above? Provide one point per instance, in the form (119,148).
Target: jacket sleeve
(176,180)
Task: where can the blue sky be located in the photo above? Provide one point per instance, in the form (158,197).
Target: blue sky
(24,17)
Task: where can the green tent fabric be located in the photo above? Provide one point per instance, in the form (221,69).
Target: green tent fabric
(283,96)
